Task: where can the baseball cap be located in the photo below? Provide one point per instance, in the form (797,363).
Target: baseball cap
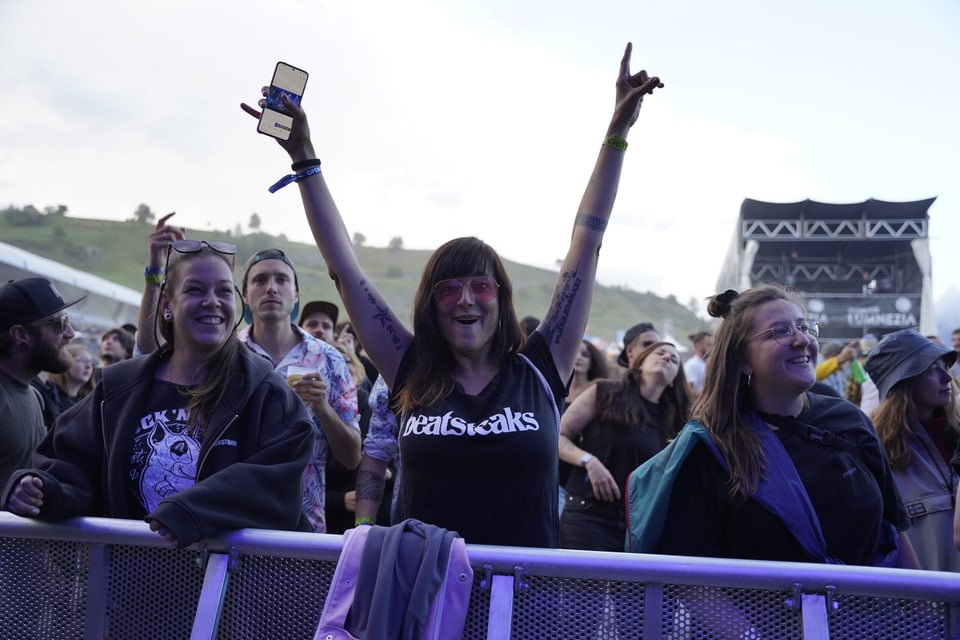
(258,257)
(28,300)
(320,306)
(629,337)
(901,355)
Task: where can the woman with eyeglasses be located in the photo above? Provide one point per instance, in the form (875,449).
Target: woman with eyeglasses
(478,404)
(918,422)
(196,438)
(767,470)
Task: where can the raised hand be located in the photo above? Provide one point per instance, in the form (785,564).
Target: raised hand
(298,145)
(631,88)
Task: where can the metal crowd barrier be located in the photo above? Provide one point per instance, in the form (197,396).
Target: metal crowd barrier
(94,578)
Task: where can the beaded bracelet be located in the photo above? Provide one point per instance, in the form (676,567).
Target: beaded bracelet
(616,142)
(364,521)
(153,275)
(293,177)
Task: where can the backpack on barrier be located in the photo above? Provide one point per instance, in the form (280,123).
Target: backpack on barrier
(418,575)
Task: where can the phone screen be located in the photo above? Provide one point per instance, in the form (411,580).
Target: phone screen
(287,80)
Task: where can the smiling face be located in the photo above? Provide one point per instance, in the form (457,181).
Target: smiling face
(779,373)
(468,324)
(932,389)
(271,291)
(201,303)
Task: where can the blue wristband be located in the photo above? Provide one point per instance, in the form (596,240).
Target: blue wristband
(293,177)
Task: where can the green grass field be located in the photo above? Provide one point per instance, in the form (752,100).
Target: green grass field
(117,251)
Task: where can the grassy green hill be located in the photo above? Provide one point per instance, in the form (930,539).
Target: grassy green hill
(117,251)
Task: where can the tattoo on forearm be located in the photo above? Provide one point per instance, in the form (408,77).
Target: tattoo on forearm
(383,315)
(594,223)
(370,485)
(563,299)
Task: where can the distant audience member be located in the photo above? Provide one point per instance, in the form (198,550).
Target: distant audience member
(861,390)
(116,345)
(590,366)
(919,426)
(34,329)
(636,339)
(61,391)
(319,318)
(198,438)
(608,431)
(347,336)
(695,368)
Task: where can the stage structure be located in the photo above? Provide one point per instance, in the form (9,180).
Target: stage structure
(863,267)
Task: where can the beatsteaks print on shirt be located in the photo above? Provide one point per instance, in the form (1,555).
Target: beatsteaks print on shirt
(166,449)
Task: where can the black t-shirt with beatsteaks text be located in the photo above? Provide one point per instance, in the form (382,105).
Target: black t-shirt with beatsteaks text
(485,466)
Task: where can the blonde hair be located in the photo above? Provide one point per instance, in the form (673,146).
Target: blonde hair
(60,379)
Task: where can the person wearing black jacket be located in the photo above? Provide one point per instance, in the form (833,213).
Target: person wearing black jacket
(197,438)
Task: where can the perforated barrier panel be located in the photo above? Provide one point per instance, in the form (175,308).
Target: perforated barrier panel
(116,581)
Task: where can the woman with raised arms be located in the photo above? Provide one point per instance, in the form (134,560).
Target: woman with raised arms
(478,426)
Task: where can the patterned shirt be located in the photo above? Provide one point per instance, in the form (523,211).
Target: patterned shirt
(312,353)
(381,441)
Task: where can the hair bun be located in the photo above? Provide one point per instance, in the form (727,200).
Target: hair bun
(719,305)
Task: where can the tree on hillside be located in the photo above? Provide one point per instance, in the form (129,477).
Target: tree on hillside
(58,211)
(254,222)
(359,239)
(144,215)
(396,243)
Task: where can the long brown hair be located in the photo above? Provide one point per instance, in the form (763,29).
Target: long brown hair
(205,396)
(620,404)
(895,420)
(432,367)
(725,397)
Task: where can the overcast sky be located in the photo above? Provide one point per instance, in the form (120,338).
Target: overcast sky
(436,119)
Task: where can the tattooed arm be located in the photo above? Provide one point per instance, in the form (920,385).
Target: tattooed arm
(566,318)
(384,337)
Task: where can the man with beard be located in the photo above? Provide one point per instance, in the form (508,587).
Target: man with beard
(34,328)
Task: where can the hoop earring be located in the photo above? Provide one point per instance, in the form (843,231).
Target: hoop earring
(167,316)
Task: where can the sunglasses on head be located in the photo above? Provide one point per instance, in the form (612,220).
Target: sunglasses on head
(186,247)
(483,289)
(58,323)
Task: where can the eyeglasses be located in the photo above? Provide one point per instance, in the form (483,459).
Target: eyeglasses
(59,323)
(783,331)
(483,288)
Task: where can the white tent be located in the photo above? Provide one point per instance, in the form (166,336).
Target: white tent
(107,305)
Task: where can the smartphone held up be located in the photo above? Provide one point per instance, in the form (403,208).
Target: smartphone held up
(275,120)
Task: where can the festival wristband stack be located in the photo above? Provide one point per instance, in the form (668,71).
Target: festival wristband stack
(312,168)
(616,142)
(153,275)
